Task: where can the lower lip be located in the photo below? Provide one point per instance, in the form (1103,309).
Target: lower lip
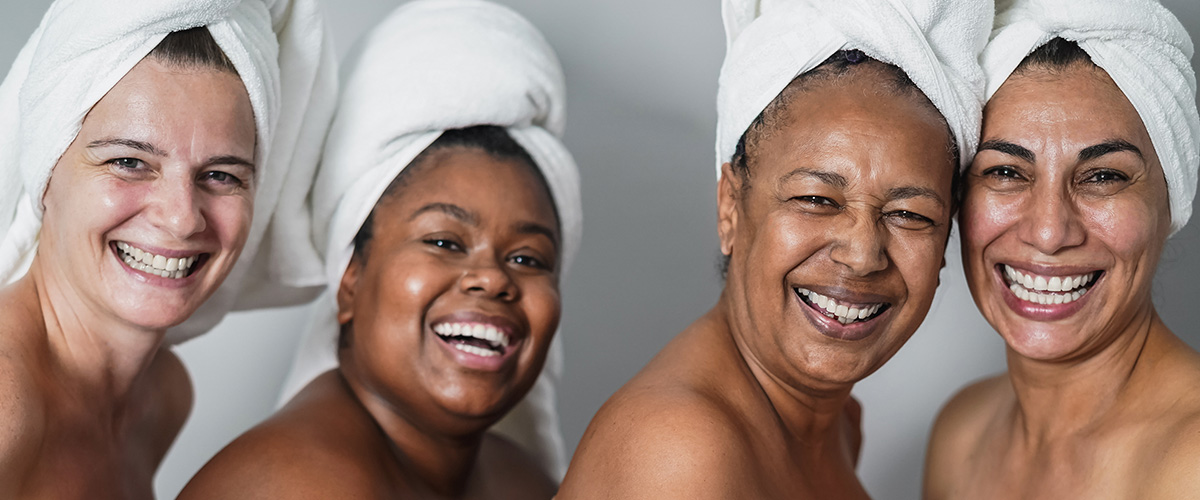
(475,361)
(1042,312)
(152,279)
(834,329)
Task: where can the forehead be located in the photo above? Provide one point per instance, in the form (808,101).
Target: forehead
(857,125)
(1079,102)
(157,102)
(499,190)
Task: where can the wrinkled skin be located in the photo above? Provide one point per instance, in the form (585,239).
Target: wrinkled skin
(1099,399)
(849,197)
(90,400)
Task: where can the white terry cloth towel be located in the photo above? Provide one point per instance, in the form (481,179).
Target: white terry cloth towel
(84,47)
(1144,49)
(770,42)
(434,65)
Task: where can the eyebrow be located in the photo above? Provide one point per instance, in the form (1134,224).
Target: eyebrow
(129,143)
(232,160)
(1106,147)
(535,228)
(452,210)
(151,149)
(1009,148)
(833,179)
(909,192)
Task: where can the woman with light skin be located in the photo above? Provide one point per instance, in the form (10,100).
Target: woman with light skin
(834,209)
(452,210)
(1078,183)
(139,221)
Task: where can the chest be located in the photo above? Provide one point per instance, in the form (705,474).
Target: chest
(86,456)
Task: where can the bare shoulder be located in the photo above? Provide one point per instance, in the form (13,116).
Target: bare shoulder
(659,440)
(22,404)
(168,400)
(510,472)
(308,449)
(958,430)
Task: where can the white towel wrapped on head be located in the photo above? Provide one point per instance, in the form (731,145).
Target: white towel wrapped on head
(770,42)
(430,66)
(1144,49)
(84,47)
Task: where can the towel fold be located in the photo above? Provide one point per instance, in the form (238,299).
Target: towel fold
(770,42)
(84,47)
(430,66)
(1144,49)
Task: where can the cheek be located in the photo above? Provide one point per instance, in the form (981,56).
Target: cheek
(983,218)
(231,217)
(80,205)
(1124,227)
(543,306)
(919,259)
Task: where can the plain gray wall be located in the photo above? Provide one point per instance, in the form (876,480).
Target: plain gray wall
(641,79)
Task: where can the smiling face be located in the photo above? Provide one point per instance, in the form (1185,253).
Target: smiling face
(1065,213)
(147,210)
(837,239)
(452,307)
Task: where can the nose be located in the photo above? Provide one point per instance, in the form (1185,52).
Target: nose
(488,278)
(175,207)
(860,244)
(1050,222)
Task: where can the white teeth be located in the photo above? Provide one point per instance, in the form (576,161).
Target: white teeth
(844,314)
(158,265)
(478,351)
(481,331)
(1047,284)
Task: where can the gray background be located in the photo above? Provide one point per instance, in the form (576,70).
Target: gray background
(641,78)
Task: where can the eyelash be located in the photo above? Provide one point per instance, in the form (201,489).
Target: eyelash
(118,162)
(231,179)
(1005,172)
(445,244)
(913,216)
(1114,176)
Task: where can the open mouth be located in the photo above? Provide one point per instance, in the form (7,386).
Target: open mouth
(480,339)
(842,312)
(158,265)
(1048,290)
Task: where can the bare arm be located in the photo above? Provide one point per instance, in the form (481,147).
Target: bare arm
(955,433)
(657,447)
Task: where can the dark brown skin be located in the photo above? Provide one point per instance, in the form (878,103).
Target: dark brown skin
(1099,400)
(469,238)
(849,196)
(324,444)
(90,401)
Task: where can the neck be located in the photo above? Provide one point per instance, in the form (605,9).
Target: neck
(439,460)
(812,415)
(97,353)
(1065,398)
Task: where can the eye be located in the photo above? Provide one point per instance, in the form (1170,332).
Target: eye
(126,163)
(222,178)
(909,220)
(443,243)
(1003,172)
(817,203)
(530,261)
(1105,176)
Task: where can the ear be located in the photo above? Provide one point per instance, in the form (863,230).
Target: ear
(729,189)
(346,289)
